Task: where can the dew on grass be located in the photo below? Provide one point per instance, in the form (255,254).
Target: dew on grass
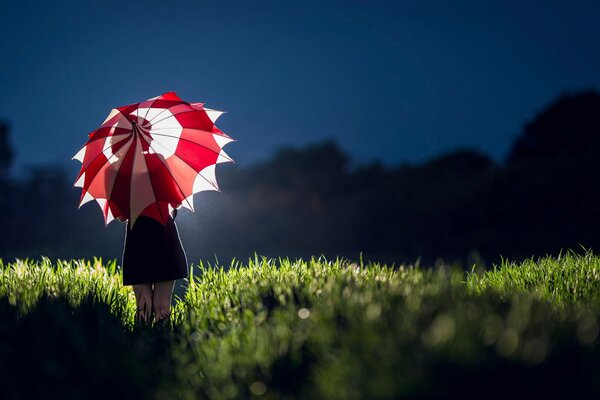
(258,388)
(373,311)
(303,313)
(441,331)
(587,329)
(534,351)
(507,343)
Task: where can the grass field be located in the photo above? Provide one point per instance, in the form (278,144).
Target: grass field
(316,329)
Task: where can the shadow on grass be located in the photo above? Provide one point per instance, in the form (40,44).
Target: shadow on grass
(60,351)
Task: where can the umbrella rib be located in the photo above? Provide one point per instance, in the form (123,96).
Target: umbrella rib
(122,115)
(153,118)
(169,109)
(115,181)
(173,115)
(169,171)
(96,175)
(209,182)
(150,106)
(188,164)
(191,141)
(200,173)
(151,185)
(95,158)
(104,137)
(222,134)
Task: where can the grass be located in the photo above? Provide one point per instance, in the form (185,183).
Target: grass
(326,329)
(569,280)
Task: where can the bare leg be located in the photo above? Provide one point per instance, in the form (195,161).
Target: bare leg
(161,300)
(143,299)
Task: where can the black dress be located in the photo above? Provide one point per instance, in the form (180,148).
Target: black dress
(153,252)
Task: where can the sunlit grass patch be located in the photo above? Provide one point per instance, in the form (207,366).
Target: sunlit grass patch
(23,282)
(569,280)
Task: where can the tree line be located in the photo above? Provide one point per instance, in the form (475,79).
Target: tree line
(541,199)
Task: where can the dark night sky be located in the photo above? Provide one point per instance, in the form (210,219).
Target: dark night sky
(394,81)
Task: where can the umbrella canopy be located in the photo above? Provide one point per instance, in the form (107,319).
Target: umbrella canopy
(150,158)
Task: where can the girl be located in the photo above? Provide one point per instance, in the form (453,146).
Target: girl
(153,258)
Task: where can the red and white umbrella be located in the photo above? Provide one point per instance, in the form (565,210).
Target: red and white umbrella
(150,158)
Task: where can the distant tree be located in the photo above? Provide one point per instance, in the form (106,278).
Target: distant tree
(317,168)
(550,180)
(7,196)
(570,126)
(463,161)
(6,151)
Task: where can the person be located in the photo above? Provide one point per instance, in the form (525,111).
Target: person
(153,258)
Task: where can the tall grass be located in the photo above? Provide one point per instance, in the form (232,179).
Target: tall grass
(24,282)
(318,328)
(569,280)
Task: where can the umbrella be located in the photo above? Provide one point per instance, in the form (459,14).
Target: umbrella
(150,158)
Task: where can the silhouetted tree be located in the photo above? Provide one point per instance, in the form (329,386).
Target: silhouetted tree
(6,151)
(551,175)
(7,198)
(568,127)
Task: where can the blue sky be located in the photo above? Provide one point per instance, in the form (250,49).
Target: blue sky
(395,81)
